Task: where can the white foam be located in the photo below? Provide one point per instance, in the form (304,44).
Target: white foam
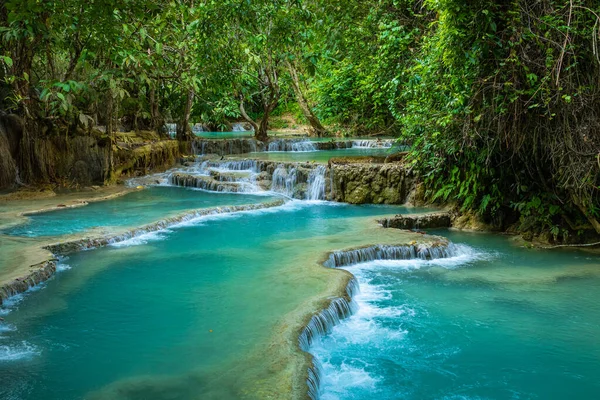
(142,239)
(4,327)
(343,381)
(62,267)
(22,351)
(375,324)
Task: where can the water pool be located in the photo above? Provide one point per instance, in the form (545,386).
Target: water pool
(494,322)
(133,209)
(320,156)
(195,313)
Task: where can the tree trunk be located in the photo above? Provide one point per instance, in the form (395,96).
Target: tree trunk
(261,134)
(247,118)
(156,120)
(585,211)
(316,127)
(184,133)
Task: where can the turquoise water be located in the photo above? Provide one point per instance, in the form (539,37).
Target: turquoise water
(493,322)
(224,135)
(176,317)
(198,311)
(321,156)
(133,209)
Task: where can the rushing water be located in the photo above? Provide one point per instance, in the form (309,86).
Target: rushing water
(490,322)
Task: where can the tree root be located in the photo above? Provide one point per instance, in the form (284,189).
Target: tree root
(571,245)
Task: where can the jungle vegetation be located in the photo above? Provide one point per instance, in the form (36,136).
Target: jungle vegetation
(499,100)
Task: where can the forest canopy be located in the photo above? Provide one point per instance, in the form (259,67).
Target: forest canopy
(499,100)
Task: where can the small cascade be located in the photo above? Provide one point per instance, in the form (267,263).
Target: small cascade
(343,307)
(316,184)
(385,252)
(241,127)
(210,184)
(323,322)
(294,145)
(198,128)
(225,147)
(219,176)
(303,181)
(237,165)
(284,180)
(171,129)
(373,144)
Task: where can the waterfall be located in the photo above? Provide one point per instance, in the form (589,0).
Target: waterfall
(198,128)
(225,147)
(240,127)
(342,307)
(238,165)
(373,144)
(291,145)
(306,181)
(171,129)
(383,252)
(198,147)
(322,324)
(284,181)
(316,184)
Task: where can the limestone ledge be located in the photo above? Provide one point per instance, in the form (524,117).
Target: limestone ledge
(38,274)
(418,221)
(247,145)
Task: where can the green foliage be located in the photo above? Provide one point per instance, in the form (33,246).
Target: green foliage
(498,100)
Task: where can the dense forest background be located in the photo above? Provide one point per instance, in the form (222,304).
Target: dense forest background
(500,100)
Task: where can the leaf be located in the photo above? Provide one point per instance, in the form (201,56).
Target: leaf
(8,61)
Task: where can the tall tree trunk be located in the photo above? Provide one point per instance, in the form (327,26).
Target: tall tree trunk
(316,127)
(156,120)
(184,133)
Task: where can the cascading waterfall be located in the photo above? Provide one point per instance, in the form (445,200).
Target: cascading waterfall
(316,184)
(228,177)
(198,128)
(305,181)
(240,127)
(339,259)
(343,307)
(238,165)
(225,147)
(291,145)
(372,144)
(284,180)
